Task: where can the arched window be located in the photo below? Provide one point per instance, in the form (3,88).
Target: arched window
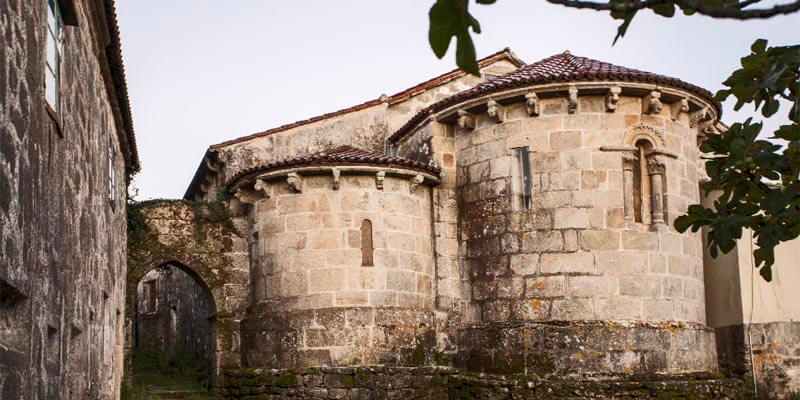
(366,243)
(641,182)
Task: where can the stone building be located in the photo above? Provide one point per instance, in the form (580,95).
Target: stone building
(66,148)
(509,235)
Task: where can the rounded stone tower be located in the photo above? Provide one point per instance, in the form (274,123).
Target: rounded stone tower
(569,173)
(341,256)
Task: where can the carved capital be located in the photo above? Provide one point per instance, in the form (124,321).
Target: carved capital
(612,98)
(466,120)
(678,107)
(379,176)
(496,111)
(532,104)
(572,99)
(336,177)
(628,160)
(415,182)
(651,104)
(655,166)
(295,182)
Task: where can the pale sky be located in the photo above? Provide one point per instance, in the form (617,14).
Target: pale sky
(200,72)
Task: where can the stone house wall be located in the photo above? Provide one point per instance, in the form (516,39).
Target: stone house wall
(62,237)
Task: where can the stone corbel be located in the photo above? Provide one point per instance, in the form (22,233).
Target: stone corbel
(678,107)
(532,104)
(612,98)
(295,182)
(651,104)
(572,99)
(466,120)
(496,111)
(336,177)
(245,196)
(415,182)
(261,186)
(700,117)
(379,176)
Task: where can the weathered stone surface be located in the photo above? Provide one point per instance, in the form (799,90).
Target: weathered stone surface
(62,207)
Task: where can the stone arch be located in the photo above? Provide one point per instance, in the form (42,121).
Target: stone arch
(643,131)
(210,250)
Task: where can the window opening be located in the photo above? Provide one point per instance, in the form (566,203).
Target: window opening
(521,178)
(366,243)
(641,183)
(55,36)
(150,296)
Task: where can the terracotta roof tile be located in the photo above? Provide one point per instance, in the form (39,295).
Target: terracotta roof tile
(339,156)
(563,67)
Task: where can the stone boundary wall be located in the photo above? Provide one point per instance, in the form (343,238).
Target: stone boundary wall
(380,382)
(776,355)
(584,348)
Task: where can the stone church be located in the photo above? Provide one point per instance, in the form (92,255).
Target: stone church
(502,236)
(509,235)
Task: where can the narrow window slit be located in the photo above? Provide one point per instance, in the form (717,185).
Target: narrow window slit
(366,244)
(521,178)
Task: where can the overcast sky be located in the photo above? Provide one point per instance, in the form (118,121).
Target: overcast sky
(201,72)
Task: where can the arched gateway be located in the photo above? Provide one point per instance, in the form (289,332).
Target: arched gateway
(194,239)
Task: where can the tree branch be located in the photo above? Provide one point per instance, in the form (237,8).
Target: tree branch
(730,12)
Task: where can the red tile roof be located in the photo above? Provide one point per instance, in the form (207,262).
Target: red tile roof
(113,55)
(563,67)
(339,156)
(397,97)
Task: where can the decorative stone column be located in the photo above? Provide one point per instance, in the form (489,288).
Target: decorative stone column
(628,160)
(655,168)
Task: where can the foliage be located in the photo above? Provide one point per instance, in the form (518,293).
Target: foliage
(450,18)
(175,370)
(758,178)
(760,187)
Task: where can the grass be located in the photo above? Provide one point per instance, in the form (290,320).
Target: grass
(171,371)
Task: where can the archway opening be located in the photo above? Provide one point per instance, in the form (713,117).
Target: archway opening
(173,332)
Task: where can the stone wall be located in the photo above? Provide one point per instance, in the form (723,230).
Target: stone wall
(446,383)
(776,355)
(308,270)
(178,321)
(62,236)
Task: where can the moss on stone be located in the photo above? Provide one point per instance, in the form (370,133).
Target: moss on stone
(287,379)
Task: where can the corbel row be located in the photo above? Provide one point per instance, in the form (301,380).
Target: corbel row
(651,105)
(261,190)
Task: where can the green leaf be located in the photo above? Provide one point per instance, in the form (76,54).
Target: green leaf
(623,27)
(759,46)
(766,273)
(664,9)
(450,18)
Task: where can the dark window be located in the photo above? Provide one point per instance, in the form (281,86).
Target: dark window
(641,183)
(366,243)
(521,178)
